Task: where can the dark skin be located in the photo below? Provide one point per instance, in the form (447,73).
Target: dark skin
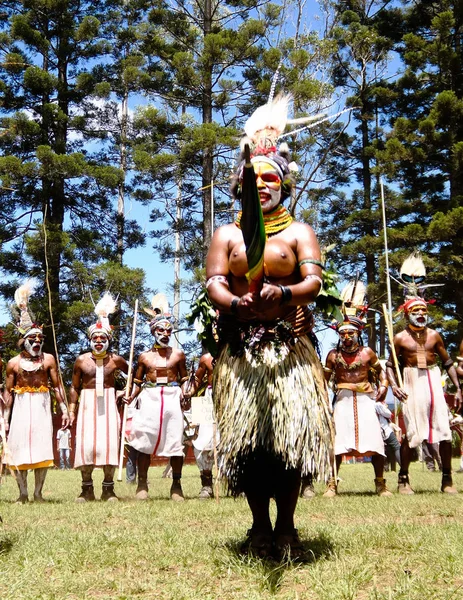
(164,362)
(367,360)
(405,348)
(205,368)
(84,376)
(459,369)
(283,252)
(16,376)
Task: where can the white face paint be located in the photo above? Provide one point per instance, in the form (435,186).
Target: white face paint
(418,318)
(99,343)
(162,335)
(33,344)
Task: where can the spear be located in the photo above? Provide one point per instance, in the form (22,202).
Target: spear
(127,391)
(252,226)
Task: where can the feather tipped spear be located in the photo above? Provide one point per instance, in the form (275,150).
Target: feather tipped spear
(252,226)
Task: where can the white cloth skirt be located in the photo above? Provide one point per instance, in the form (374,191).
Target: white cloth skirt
(357,428)
(157,425)
(425,412)
(30,441)
(98,428)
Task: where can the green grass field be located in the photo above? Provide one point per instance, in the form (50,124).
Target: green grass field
(358,546)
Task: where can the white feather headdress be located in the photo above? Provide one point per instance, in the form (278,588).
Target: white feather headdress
(106,306)
(159,309)
(21,298)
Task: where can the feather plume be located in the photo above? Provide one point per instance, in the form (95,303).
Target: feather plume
(353,297)
(106,306)
(413,266)
(160,304)
(24,292)
(271,116)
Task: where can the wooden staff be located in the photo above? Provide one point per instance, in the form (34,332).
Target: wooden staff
(127,391)
(390,333)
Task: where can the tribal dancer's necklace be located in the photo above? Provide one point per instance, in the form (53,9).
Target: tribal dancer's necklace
(274,222)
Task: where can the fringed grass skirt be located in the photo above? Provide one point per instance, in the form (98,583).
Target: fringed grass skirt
(275,402)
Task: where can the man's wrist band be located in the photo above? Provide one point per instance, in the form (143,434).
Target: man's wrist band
(234,306)
(286,294)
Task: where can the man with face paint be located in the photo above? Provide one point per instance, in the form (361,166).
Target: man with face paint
(424,408)
(268,386)
(98,422)
(157,424)
(358,432)
(30,439)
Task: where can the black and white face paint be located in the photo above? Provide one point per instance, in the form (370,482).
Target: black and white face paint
(33,344)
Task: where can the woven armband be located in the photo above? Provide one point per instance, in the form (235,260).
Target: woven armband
(137,381)
(286,294)
(448,363)
(312,261)
(234,306)
(218,279)
(389,363)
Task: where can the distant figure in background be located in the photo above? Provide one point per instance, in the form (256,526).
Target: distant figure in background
(63,446)
(431,456)
(388,430)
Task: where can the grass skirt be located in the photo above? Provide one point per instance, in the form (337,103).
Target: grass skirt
(274,402)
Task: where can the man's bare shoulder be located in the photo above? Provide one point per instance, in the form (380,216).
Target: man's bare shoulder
(401,336)
(83,357)
(13,362)
(331,355)
(49,359)
(178,354)
(119,360)
(369,353)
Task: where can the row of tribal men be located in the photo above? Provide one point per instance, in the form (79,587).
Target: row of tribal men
(157,426)
(362,427)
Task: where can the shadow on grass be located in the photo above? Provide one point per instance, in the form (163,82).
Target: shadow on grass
(272,571)
(6,546)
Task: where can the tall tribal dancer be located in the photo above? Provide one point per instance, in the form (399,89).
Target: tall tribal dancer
(98,422)
(268,385)
(28,377)
(424,409)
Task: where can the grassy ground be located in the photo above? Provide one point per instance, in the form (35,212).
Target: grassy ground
(359,546)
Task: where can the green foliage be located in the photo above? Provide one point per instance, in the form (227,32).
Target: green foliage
(203,317)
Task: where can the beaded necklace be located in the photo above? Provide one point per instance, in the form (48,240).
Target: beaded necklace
(274,222)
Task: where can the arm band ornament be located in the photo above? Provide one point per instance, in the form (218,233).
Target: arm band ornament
(327,370)
(138,381)
(286,294)
(234,306)
(448,363)
(312,261)
(72,407)
(389,363)
(218,279)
